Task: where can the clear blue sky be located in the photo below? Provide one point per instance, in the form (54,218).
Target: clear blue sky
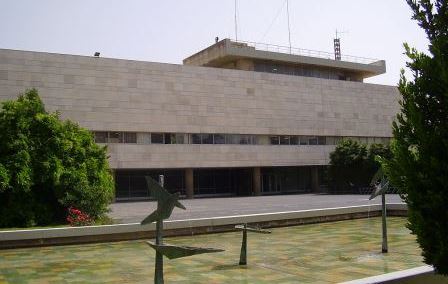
(168,30)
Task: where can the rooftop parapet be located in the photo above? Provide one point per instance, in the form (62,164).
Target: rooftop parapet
(227,50)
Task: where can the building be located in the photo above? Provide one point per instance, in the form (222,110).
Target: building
(234,119)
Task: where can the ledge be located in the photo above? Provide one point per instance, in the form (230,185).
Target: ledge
(421,274)
(72,235)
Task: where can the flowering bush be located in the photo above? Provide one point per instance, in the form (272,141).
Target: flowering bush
(78,218)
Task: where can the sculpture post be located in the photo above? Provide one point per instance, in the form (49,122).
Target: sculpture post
(158,273)
(245,228)
(383,205)
(243,254)
(165,205)
(381,185)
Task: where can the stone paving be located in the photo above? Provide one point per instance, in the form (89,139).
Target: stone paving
(318,253)
(133,212)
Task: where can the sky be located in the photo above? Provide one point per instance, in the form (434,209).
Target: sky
(169,31)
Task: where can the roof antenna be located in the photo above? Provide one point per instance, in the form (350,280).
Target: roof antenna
(236,22)
(289,29)
(337,45)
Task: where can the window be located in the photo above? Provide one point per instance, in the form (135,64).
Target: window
(100,137)
(275,140)
(313,140)
(115,137)
(262,140)
(196,138)
(207,138)
(321,140)
(130,137)
(284,140)
(167,138)
(244,139)
(304,140)
(143,138)
(157,138)
(179,138)
(232,139)
(330,140)
(219,139)
(294,140)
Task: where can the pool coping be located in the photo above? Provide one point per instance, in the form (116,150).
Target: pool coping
(132,231)
(421,274)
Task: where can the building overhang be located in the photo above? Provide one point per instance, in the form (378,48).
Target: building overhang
(226,51)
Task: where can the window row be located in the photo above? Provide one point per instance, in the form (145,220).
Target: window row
(242,139)
(301,71)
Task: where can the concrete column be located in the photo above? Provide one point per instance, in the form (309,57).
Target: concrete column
(256,181)
(189,183)
(314,179)
(114,176)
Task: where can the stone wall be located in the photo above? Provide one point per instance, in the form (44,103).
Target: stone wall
(124,95)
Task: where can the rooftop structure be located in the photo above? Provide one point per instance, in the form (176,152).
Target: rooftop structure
(261,57)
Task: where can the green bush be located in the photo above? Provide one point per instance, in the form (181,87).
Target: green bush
(48,165)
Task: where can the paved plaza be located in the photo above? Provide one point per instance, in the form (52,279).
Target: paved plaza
(132,212)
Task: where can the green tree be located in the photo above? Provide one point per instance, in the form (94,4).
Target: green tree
(48,165)
(419,166)
(353,164)
(347,165)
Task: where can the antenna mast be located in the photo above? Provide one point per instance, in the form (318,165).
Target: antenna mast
(289,29)
(337,47)
(236,22)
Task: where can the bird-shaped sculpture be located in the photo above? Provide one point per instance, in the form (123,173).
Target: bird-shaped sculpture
(165,205)
(165,202)
(380,184)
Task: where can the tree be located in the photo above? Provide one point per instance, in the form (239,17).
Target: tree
(48,165)
(419,166)
(353,164)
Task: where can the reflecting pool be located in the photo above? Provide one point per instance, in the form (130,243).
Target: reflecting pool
(317,253)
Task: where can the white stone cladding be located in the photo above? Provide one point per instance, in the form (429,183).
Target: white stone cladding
(124,95)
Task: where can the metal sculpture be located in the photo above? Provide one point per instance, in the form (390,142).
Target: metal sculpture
(245,228)
(381,185)
(165,205)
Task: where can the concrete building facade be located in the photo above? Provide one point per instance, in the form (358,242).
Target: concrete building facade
(209,127)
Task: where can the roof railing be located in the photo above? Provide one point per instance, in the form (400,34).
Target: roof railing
(303,52)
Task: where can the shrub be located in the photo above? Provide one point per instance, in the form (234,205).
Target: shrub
(48,165)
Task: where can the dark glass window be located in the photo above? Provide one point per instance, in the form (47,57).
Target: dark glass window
(100,137)
(219,139)
(168,139)
(304,140)
(156,138)
(245,139)
(284,140)
(207,138)
(294,140)
(130,137)
(115,137)
(274,140)
(196,138)
(232,139)
(321,140)
(313,140)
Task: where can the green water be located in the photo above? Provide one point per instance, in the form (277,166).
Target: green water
(318,253)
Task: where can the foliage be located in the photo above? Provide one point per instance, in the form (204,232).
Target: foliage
(48,165)
(419,166)
(352,164)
